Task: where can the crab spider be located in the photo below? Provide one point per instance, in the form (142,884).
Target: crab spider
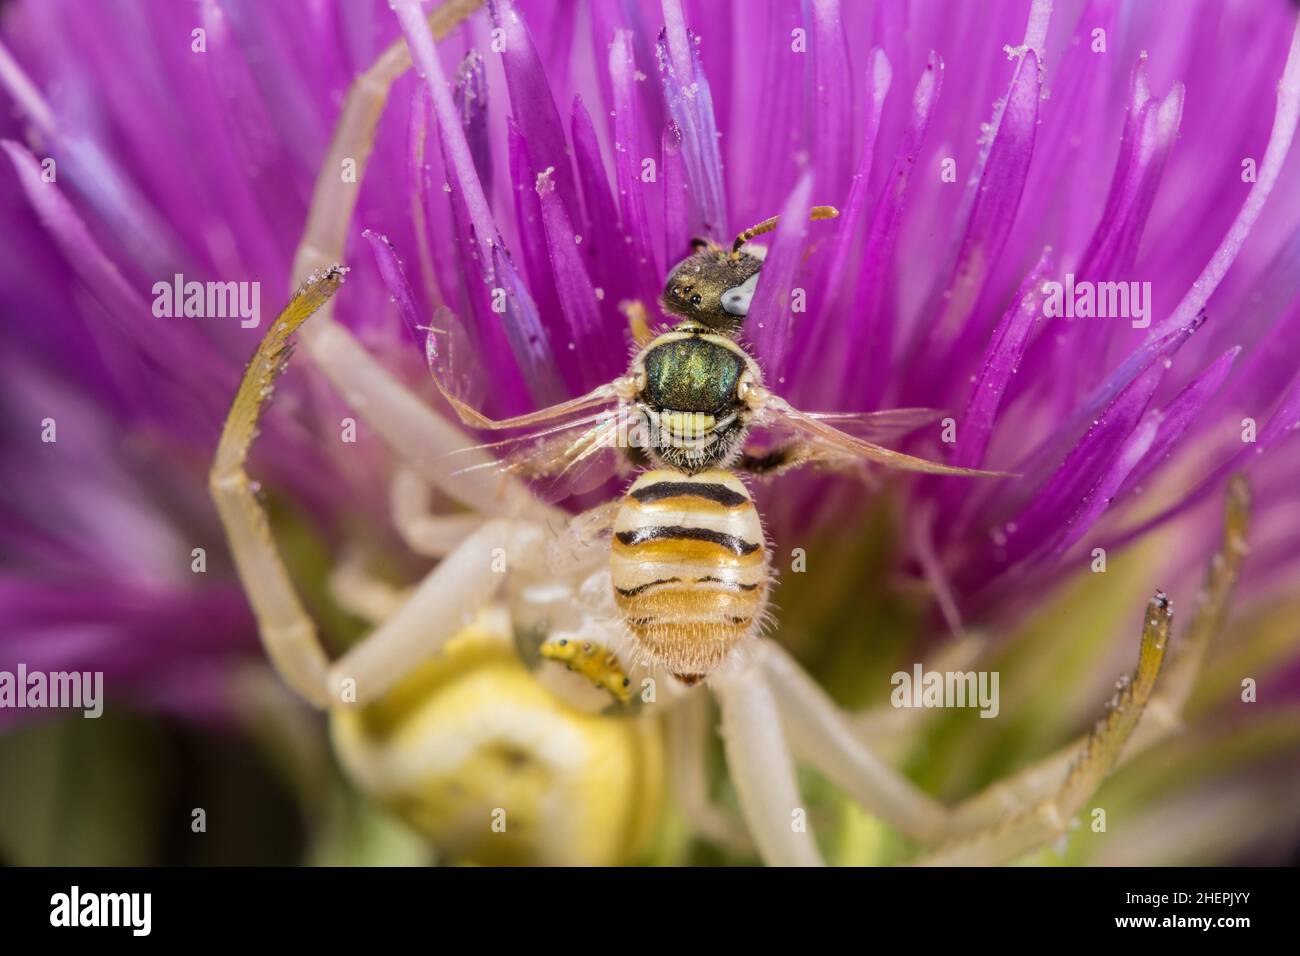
(773,715)
(772,712)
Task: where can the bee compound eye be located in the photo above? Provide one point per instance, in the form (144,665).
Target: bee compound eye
(696,300)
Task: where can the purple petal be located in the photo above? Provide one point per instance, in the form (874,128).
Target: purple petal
(1179,415)
(1135,448)
(831,98)
(532,104)
(686,90)
(994,199)
(823,323)
(627,166)
(1079,490)
(589,340)
(204,382)
(603,245)
(532,239)
(1279,144)
(528,338)
(456,147)
(873,344)
(471,99)
(1149,134)
(768,324)
(1064,435)
(390,269)
(502,346)
(677,230)
(1282,424)
(1001,362)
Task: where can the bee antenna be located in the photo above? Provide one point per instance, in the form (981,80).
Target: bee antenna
(767,225)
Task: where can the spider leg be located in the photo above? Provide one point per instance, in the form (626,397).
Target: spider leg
(416,432)
(333,200)
(444,603)
(447,599)
(1035,824)
(1163,712)
(1033,807)
(688,735)
(353,588)
(892,731)
(426,533)
(762,766)
(821,734)
(287,632)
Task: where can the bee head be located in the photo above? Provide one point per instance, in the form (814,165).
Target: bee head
(713,287)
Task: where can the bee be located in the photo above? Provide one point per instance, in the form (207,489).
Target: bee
(689,562)
(714,287)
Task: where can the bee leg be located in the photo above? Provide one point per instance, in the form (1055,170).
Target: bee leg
(774,461)
(426,533)
(761,765)
(638,321)
(1035,785)
(688,739)
(783,458)
(822,734)
(765,463)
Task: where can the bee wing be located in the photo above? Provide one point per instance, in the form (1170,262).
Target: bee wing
(454,372)
(574,446)
(606,394)
(886,425)
(820,441)
(559,460)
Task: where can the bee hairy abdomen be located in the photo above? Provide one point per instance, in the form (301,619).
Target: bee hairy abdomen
(689,567)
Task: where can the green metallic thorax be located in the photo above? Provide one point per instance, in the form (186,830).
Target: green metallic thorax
(692,375)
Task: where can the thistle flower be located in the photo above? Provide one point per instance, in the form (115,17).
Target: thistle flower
(990,164)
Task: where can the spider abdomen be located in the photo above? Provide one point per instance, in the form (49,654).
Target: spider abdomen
(689,567)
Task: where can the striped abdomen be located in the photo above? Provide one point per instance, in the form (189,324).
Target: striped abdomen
(689,567)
